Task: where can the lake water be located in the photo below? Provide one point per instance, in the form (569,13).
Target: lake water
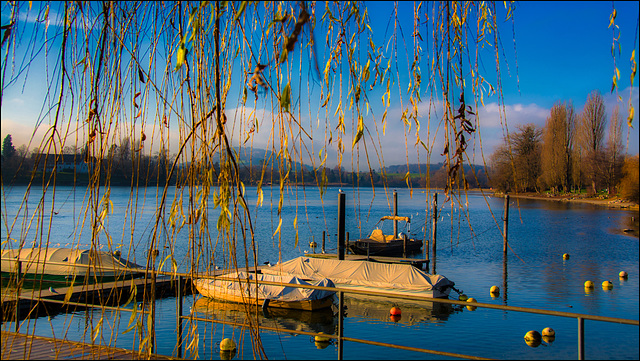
(540,232)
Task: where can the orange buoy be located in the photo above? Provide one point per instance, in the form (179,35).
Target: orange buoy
(395,311)
(395,318)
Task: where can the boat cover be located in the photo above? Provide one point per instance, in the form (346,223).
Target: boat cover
(399,278)
(63,261)
(239,287)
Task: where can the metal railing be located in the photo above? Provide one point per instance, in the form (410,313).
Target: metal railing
(180,279)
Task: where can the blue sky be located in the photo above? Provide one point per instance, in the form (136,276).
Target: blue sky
(563,52)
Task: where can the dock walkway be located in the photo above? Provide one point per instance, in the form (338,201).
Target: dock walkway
(18,346)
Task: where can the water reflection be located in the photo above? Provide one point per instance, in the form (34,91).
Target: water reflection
(411,312)
(317,321)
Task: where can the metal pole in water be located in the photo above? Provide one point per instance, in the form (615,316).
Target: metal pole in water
(433,232)
(506,223)
(341,202)
(323,238)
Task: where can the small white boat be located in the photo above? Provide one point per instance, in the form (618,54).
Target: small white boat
(367,276)
(379,244)
(241,287)
(67,264)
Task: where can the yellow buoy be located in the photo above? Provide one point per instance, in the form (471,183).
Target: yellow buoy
(533,338)
(462,297)
(495,290)
(471,308)
(322,345)
(607,285)
(565,256)
(320,338)
(227,344)
(588,284)
(623,274)
(548,339)
(548,331)
(227,355)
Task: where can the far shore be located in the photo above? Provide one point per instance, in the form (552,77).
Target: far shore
(613,202)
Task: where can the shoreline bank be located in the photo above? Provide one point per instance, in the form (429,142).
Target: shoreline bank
(615,202)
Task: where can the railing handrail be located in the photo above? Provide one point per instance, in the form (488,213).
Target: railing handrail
(383,294)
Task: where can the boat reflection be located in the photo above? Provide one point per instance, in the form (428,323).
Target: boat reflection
(411,312)
(322,320)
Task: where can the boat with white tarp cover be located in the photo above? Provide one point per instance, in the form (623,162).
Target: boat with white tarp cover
(364,275)
(243,287)
(68,263)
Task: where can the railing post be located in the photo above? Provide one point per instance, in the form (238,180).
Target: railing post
(341,243)
(152,337)
(18,276)
(580,338)
(179,317)
(340,323)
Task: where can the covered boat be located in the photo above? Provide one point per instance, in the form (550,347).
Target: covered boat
(367,276)
(379,244)
(68,263)
(241,287)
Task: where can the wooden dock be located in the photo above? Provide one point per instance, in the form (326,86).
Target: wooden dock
(419,263)
(108,293)
(18,346)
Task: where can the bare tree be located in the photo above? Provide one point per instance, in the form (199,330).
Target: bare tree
(593,121)
(614,152)
(527,147)
(557,147)
(519,168)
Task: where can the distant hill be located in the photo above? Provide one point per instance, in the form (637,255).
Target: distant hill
(422,168)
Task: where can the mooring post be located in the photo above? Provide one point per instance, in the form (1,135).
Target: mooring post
(433,232)
(504,280)
(341,243)
(395,213)
(18,275)
(323,238)
(179,316)
(506,223)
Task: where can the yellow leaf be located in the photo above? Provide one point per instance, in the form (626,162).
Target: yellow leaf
(278,229)
(180,56)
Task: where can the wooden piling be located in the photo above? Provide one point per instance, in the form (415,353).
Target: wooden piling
(395,213)
(433,232)
(506,223)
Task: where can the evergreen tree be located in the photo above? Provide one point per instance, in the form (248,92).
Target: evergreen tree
(8,150)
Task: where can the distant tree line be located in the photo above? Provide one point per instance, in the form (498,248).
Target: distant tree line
(124,165)
(569,154)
